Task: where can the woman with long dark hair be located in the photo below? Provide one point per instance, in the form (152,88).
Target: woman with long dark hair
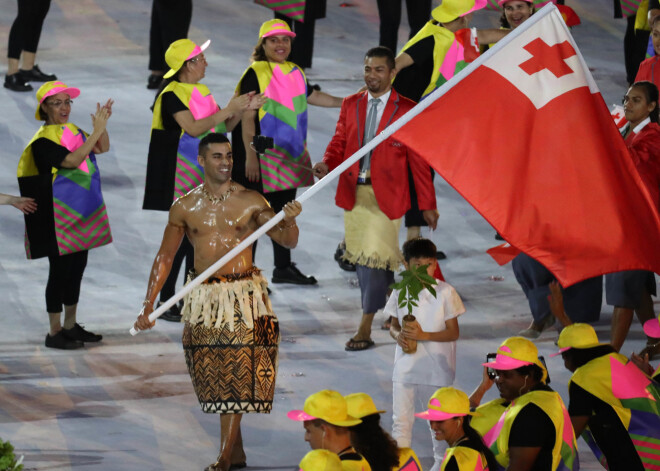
(372,441)
(449,414)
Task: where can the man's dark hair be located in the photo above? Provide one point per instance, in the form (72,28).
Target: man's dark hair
(531,370)
(381,51)
(211,138)
(581,356)
(418,248)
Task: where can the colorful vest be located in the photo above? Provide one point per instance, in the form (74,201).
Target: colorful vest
(451,52)
(198,99)
(564,452)
(408,461)
(81,220)
(486,418)
(284,118)
(633,396)
(467,459)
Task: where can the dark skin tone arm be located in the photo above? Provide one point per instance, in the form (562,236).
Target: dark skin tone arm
(579,422)
(522,458)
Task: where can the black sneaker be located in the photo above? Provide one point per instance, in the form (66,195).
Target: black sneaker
(78,333)
(62,342)
(173,314)
(36,75)
(292,275)
(16,83)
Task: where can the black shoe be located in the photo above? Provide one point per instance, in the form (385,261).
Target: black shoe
(173,314)
(292,275)
(440,255)
(78,333)
(339,254)
(154,81)
(36,75)
(498,236)
(62,342)
(16,83)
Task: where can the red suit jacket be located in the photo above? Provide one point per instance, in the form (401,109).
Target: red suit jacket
(389,160)
(645,151)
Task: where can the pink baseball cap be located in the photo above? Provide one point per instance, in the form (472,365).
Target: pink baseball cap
(652,328)
(50,89)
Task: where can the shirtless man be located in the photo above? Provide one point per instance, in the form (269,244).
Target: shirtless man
(231,335)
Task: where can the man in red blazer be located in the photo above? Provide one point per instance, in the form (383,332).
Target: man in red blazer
(374,191)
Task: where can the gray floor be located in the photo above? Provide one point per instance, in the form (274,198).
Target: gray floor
(128,403)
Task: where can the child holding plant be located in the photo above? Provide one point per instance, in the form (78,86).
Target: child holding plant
(436,307)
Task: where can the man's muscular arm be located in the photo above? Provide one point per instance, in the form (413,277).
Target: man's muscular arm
(286,231)
(172,237)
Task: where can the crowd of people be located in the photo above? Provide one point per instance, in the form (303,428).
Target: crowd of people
(218,191)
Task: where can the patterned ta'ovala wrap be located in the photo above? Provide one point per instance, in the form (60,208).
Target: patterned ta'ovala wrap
(80,217)
(284,118)
(230,341)
(198,99)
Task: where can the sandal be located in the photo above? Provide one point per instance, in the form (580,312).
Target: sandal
(387,324)
(356,345)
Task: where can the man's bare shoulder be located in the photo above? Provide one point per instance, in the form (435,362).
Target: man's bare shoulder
(250,197)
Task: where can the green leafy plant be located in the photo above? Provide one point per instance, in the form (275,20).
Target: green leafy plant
(8,461)
(413,281)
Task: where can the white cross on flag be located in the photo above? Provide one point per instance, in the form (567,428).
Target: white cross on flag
(524,135)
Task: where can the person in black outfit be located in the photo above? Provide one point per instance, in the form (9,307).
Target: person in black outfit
(389,12)
(170,20)
(23,40)
(302,48)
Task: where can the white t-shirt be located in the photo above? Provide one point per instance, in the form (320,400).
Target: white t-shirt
(434,363)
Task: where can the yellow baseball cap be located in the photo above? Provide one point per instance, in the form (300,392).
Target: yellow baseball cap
(320,460)
(360,405)
(447,403)
(275,27)
(577,335)
(50,89)
(180,51)
(449,10)
(325,405)
(516,352)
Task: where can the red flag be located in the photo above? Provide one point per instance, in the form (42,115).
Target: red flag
(524,135)
(503,253)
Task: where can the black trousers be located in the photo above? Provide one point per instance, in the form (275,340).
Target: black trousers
(186,252)
(634,48)
(389,11)
(26,30)
(302,48)
(277,200)
(170,20)
(64,278)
